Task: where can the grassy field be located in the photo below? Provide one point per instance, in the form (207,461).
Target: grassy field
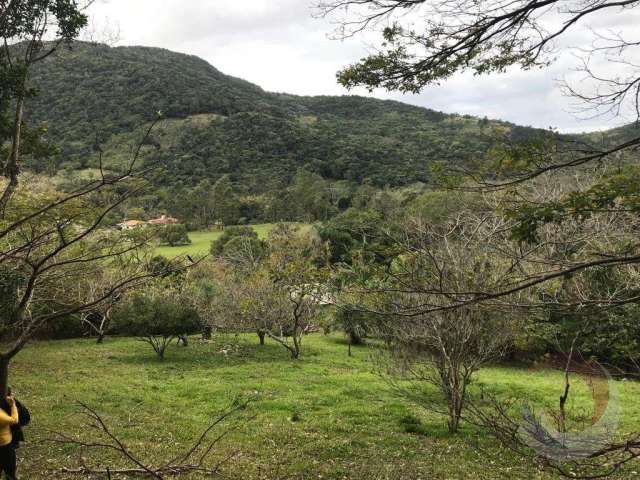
(325,416)
(201,241)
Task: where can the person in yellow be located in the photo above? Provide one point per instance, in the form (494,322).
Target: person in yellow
(7,449)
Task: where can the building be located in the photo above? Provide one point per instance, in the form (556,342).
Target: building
(130,224)
(163,220)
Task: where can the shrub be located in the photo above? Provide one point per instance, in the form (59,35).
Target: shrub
(217,246)
(156,318)
(173,235)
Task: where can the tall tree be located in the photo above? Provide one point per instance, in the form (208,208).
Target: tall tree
(24,27)
(225,202)
(51,240)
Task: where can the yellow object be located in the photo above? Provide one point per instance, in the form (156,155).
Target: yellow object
(5,425)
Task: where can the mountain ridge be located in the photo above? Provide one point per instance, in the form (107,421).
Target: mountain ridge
(97,90)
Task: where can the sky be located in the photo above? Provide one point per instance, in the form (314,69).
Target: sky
(282,47)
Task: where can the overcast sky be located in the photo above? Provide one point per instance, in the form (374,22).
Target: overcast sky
(278,45)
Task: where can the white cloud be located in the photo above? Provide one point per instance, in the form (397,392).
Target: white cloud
(279,46)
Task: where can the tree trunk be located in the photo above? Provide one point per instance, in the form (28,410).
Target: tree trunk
(261,335)
(100,338)
(206,332)
(12,167)
(4,376)
(349,345)
(456,402)
(295,351)
(354,338)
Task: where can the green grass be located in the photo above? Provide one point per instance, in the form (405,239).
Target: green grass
(323,416)
(201,241)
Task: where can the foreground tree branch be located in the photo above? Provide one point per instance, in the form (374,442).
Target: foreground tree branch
(196,459)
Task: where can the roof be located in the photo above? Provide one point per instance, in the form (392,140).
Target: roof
(132,223)
(163,220)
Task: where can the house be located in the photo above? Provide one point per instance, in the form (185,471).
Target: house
(163,220)
(130,224)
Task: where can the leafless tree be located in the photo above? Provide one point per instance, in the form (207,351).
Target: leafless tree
(58,239)
(90,288)
(444,347)
(274,311)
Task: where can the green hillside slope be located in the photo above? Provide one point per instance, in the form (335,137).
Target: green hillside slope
(259,138)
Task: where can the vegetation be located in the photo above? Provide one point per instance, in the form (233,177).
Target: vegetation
(530,255)
(231,151)
(200,242)
(173,235)
(158,316)
(349,422)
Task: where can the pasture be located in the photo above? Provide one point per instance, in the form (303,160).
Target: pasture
(325,415)
(201,241)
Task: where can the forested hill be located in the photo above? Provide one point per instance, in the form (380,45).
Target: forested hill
(219,124)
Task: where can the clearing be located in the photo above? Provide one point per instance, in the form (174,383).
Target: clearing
(325,415)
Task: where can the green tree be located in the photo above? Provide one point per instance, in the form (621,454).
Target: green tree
(296,268)
(157,316)
(310,195)
(229,233)
(26,24)
(226,205)
(173,235)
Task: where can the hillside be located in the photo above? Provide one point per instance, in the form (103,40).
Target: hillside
(219,124)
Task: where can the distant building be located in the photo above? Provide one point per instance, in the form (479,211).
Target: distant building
(163,220)
(131,224)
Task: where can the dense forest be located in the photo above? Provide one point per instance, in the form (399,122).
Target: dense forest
(94,97)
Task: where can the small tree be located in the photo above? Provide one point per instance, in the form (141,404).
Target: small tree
(94,287)
(244,252)
(444,349)
(263,308)
(217,246)
(428,340)
(353,323)
(208,293)
(157,317)
(295,268)
(174,235)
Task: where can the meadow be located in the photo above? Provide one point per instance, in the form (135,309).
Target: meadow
(324,416)
(201,241)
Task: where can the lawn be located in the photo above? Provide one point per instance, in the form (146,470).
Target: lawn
(201,241)
(325,415)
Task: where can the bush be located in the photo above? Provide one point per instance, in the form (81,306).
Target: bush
(217,246)
(156,319)
(174,235)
